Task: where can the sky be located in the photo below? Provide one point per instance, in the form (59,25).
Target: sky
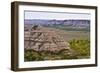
(55,15)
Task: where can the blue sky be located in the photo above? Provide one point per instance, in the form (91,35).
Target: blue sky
(56,15)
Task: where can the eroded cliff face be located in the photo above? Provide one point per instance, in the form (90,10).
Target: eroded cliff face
(41,38)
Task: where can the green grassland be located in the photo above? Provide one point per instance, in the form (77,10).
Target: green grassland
(69,28)
(71,34)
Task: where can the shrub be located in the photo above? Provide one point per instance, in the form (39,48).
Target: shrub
(31,55)
(81,47)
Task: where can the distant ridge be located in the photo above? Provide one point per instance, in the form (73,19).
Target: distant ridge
(46,22)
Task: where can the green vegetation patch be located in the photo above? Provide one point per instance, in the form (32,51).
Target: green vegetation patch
(31,55)
(81,47)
